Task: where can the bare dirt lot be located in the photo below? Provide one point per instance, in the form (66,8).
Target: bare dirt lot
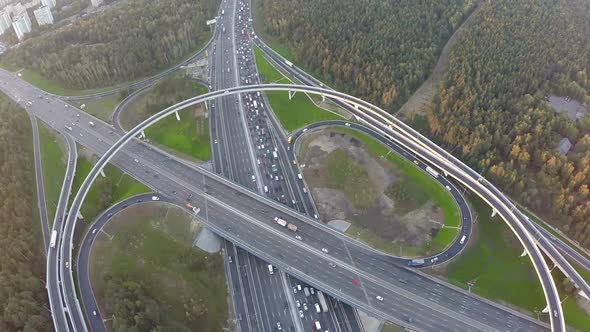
(348,183)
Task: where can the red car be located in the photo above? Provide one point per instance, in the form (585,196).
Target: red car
(356,281)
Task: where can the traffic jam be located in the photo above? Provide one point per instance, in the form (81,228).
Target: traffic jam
(266,151)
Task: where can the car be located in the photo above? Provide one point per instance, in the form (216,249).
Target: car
(298,287)
(416,162)
(325,250)
(347,124)
(356,281)
(318,309)
(305,306)
(253,178)
(379,298)
(448,188)
(155,198)
(94,231)
(109,215)
(300,313)
(136,160)
(294,290)
(67,265)
(94,312)
(297,303)
(331,264)
(279,327)
(311,290)
(298,237)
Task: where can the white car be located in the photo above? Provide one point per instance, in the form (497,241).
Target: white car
(325,250)
(379,297)
(347,124)
(297,303)
(94,312)
(298,237)
(155,198)
(94,231)
(300,313)
(136,160)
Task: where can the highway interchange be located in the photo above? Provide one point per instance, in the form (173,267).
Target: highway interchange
(100,138)
(178,177)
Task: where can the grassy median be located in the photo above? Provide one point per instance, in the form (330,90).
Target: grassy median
(105,191)
(295,113)
(53,159)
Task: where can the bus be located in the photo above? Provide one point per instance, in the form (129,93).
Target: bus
(431,171)
(53,239)
(322,301)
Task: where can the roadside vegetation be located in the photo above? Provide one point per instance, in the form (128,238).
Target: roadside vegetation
(506,129)
(379,51)
(190,135)
(53,159)
(145,272)
(105,191)
(101,108)
(23,299)
(295,113)
(365,173)
(491,264)
(105,50)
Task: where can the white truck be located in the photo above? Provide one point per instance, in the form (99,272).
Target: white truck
(322,301)
(432,172)
(53,239)
(284,223)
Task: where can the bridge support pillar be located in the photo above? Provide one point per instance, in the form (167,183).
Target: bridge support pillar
(445,173)
(79,215)
(546,310)
(102,173)
(323,98)
(524,253)
(494,212)
(207,105)
(177,116)
(291,94)
(142,134)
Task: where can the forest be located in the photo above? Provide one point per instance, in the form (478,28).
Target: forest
(23,299)
(491,109)
(133,39)
(377,50)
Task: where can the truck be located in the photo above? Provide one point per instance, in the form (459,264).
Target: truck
(281,222)
(289,63)
(284,223)
(322,301)
(416,262)
(431,171)
(53,239)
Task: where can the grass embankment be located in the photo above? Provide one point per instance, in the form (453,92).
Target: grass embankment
(416,184)
(101,108)
(295,113)
(151,245)
(50,86)
(54,159)
(494,266)
(190,135)
(349,176)
(105,191)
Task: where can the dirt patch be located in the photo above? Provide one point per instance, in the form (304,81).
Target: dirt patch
(415,227)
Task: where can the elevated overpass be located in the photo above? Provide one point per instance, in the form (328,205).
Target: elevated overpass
(345,253)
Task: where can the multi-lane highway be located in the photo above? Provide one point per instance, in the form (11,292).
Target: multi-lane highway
(246,212)
(257,211)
